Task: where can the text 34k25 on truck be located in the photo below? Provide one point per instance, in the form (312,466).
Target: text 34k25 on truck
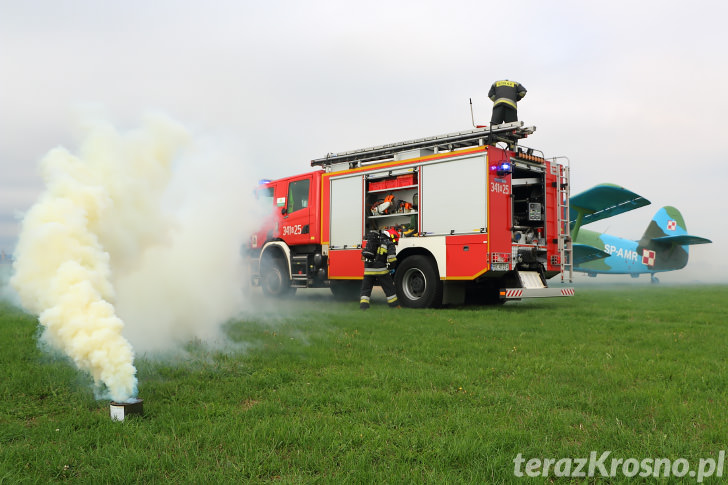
(482,218)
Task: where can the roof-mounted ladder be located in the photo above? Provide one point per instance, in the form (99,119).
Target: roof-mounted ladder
(508,133)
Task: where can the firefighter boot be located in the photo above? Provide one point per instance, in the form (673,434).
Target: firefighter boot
(364,303)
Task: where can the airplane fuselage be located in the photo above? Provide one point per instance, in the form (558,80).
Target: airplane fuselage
(663,246)
(624,255)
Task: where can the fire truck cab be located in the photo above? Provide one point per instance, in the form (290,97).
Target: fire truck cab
(481,219)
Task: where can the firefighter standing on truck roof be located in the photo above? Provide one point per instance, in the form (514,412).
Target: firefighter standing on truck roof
(505,95)
(378,253)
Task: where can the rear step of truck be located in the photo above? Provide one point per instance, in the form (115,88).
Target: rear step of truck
(532,286)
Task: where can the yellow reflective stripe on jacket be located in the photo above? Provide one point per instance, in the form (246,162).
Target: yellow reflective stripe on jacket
(510,84)
(375,271)
(507,101)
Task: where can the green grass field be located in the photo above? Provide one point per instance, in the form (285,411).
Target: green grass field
(321,392)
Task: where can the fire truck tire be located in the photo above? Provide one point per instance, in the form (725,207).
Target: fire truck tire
(346,290)
(274,278)
(418,282)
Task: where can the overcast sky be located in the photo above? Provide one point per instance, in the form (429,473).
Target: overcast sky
(632,92)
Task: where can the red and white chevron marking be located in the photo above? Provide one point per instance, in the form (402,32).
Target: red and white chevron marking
(514,293)
(567,292)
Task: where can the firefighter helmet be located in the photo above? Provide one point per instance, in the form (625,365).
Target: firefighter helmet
(392,234)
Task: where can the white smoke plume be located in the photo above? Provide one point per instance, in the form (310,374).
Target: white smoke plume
(136,240)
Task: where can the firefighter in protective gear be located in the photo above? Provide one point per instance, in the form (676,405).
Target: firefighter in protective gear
(505,95)
(378,254)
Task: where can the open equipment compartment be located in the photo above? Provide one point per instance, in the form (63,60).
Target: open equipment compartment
(391,200)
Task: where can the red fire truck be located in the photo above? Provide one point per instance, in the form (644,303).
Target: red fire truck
(482,219)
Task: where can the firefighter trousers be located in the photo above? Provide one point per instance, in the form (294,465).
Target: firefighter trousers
(385,281)
(502,113)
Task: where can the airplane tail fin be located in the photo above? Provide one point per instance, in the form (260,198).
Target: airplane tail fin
(664,245)
(668,221)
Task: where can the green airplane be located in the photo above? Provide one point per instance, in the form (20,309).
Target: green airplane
(663,246)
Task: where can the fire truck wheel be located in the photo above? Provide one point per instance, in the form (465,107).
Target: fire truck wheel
(418,283)
(346,290)
(274,278)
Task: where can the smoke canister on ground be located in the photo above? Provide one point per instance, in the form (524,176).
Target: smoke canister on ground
(120,410)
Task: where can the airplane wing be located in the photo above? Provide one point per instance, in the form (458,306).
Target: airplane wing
(584,253)
(602,201)
(683,240)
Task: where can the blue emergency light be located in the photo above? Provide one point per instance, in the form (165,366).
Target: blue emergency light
(503,168)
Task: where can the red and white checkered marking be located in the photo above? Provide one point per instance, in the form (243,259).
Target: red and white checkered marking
(648,257)
(671,225)
(567,291)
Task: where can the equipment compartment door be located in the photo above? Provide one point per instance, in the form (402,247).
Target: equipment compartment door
(347,212)
(453,198)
